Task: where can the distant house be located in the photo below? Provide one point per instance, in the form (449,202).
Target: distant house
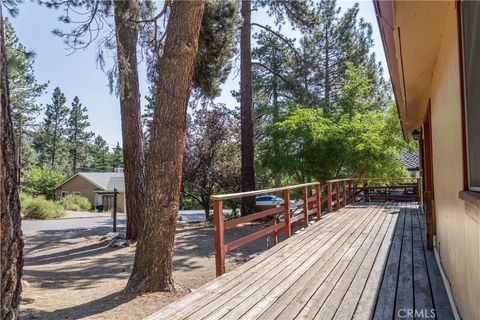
(410,162)
(97,187)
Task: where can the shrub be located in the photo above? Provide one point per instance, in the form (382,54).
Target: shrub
(41,181)
(40,208)
(75,203)
(25,199)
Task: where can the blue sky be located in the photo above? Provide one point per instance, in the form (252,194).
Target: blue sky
(78,74)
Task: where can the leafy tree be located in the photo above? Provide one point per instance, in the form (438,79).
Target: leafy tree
(211,161)
(24,90)
(77,136)
(41,181)
(357,141)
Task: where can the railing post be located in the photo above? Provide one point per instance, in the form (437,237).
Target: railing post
(337,192)
(318,194)
(350,200)
(274,233)
(329,196)
(344,193)
(286,213)
(305,206)
(219,237)
(419,192)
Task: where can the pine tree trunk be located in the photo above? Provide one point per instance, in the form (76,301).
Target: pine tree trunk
(206,209)
(275,114)
(132,134)
(54,147)
(10,232)
(327,67)
(153,265)
(246,108)
(20,150)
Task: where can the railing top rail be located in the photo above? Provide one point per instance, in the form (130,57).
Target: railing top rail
(384,179)
(340,180)
(271,190)
(258,192)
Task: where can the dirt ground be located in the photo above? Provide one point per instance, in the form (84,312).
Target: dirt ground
(73,274)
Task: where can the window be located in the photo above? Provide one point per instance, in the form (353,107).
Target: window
(470,14)
(64,193)
(76,193)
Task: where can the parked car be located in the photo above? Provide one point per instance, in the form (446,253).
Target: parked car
(267,202)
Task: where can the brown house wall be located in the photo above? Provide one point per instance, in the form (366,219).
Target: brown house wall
(86,189)
(77,184)
(458,222)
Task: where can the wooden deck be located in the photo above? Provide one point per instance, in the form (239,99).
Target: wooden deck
(364,261)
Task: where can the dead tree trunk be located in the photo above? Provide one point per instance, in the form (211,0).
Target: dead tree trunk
(152,269)
(10,232)
(246,108)
(126,12)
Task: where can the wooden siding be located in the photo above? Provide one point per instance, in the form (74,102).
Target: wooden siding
(458,232)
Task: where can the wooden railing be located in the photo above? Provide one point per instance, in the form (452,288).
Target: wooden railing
(316,200)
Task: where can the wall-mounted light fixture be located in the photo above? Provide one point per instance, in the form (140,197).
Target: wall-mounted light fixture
(416,134)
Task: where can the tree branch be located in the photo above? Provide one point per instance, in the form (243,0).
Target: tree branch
(289,44)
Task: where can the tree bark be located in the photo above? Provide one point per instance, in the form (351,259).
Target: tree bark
(10,231)
(126,12)
(152,269)
(20,149)
(246,108)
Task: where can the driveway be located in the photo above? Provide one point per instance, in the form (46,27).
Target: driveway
(94,222)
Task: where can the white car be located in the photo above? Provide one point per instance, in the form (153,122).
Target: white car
(269,201)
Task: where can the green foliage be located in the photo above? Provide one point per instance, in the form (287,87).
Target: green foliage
(117,156)
(357,140)
(211,161)
(50,141)
(186,203)
(75,203)
(217,45)
(39,208)
(24,88)
(101,156)
(41,181)
(77,135)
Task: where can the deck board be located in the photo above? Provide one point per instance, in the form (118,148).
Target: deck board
(363,261)
(404,299)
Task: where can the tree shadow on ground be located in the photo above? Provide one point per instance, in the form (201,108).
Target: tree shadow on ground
(76,260)
(81,311)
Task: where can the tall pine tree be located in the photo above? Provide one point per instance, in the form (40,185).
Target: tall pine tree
(77,135)
(24,91)
(101,156)
(50,142)
(117,156)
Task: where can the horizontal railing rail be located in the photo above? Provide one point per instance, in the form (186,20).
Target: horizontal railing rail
(317,199)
